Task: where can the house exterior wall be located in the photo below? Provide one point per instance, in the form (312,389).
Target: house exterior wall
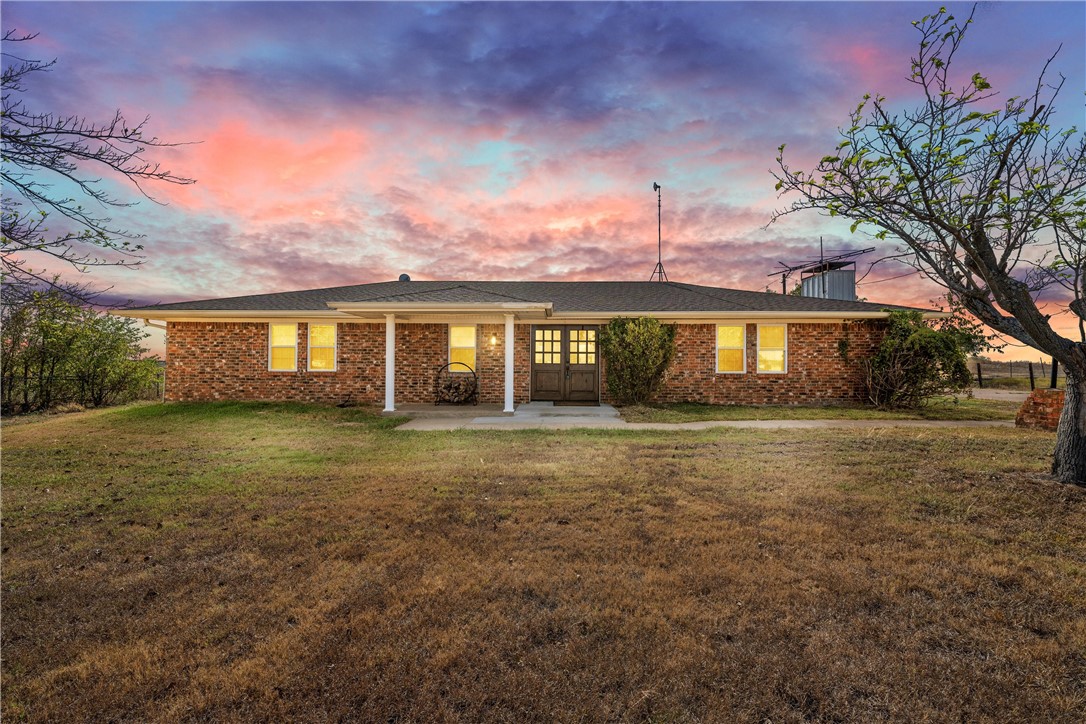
(817,369)
(229,361)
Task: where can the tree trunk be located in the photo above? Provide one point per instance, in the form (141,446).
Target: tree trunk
(1069,460)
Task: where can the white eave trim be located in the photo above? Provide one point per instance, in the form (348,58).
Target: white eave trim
(430,312)
(738,315)
(438,308)
(229,315)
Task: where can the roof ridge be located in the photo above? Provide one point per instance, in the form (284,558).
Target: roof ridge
(698,290)
(498,294)
(414,292)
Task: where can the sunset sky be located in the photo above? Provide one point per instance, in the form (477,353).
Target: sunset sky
(343,143)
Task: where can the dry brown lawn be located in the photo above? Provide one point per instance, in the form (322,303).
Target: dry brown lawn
(274,562)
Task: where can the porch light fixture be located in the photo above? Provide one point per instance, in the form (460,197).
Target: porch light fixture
(493,340)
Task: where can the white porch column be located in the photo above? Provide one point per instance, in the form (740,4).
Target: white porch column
(508,363)
(390,363)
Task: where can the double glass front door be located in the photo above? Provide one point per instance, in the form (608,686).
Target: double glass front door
(565,364)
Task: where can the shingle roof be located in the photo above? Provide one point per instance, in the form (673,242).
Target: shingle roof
(566,297)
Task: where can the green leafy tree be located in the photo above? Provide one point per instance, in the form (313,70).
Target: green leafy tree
(985,197)
(106,363)
(57,351)
(974,337)
(915,363)
(637,353)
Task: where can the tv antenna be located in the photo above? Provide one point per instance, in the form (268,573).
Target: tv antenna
(823,263)
(658,274)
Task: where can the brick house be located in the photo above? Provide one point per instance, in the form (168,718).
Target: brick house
(384,342)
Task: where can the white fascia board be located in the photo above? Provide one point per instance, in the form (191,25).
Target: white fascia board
(229,315)
(439,307)
(762,316)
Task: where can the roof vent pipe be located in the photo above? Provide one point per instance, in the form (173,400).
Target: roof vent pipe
(405,278)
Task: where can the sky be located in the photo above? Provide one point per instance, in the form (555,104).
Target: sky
(344,143)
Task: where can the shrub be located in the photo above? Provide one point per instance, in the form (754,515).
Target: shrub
(56,352)
(637,353)
(915,363)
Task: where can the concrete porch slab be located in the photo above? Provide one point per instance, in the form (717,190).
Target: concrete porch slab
(527,416)
(448,412)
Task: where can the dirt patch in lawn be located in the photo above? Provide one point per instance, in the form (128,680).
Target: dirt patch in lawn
(259,562)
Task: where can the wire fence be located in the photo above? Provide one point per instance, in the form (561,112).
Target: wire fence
(1016,375)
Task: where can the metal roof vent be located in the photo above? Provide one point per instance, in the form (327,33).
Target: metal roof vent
(405,278)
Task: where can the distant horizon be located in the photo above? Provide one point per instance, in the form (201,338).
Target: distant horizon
(346,143)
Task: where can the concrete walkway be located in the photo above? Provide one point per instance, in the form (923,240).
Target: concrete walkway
(1005,395)
(545,416)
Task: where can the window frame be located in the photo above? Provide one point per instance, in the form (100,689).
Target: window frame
(309,346)
(757,368)
(282,346)
(716,360)
(474,349)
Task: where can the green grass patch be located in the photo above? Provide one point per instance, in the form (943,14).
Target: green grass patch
(289,562)
(950,408)
(1020,383)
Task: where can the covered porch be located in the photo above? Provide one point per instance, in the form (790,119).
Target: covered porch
(496,347)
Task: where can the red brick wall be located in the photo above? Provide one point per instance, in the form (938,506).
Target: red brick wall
(229,361)
(816,369)
(420,350)
(522,362)
(1041,410)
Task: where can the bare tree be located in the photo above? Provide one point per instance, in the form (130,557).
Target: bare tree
(986,198)
(40,149)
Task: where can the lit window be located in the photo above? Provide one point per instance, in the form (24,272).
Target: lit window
(322,347)
(461,348)
(582,346)
(548,347)
(283,347)
(772,348)
(731,348)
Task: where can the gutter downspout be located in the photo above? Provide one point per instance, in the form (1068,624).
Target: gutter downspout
(149,323)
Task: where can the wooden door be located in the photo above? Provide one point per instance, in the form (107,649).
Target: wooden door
(582,365)
(565,364)
(548,369)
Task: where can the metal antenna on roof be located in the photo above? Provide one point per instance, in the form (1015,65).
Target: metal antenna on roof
(658,274)
(823,264)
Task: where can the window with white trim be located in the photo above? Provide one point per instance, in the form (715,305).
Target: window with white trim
(773,348)
(461,347)
(282,347)
(322,347)
(731,348)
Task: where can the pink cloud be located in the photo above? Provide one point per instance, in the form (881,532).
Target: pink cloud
(259,175)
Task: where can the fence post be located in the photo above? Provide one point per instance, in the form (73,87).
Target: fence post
(1032,384)
(1055,372)
(980,377)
